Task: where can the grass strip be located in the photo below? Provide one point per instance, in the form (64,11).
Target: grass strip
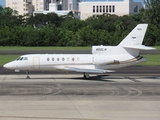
(152,60)
(7,58)
(44,48)
(51,48)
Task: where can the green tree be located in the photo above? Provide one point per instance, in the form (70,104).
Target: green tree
(10,17)
(152,11)
(40,20)
(73,24)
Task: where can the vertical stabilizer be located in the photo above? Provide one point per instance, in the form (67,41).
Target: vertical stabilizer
(132,43)
(135,37)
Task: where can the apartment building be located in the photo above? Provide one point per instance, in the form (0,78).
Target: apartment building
(63,4)
(120,8)
(25,6)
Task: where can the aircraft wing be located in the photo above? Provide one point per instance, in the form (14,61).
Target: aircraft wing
(88,70)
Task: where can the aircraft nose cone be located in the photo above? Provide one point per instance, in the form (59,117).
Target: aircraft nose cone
(9,65)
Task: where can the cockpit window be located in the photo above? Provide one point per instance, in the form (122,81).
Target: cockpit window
(21,58)
(25,58)
(18,58)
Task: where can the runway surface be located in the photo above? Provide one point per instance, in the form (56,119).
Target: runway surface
(70,97)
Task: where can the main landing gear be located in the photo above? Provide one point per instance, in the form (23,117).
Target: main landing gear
(27,72)
(86,75)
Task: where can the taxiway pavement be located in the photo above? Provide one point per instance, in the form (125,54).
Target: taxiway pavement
(70,97)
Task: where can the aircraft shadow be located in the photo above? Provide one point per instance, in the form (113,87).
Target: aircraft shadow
(92,78)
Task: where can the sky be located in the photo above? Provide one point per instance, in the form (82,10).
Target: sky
(2,2)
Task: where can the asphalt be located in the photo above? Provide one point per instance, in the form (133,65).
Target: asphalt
(70,97)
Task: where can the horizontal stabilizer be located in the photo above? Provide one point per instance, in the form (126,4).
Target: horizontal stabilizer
(139,47)
(88,70)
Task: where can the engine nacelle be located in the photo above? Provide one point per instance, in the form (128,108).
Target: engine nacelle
(102,59)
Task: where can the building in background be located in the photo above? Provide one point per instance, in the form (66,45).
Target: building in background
(61,7)
(80,8)
(19,5)
(25,6)
(52,6)
(70,4)
(120,8)
(63,4)
(43,6)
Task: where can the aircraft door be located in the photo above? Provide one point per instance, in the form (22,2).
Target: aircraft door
(36,63)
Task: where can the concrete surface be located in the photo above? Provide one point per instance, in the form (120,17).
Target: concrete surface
(70,97)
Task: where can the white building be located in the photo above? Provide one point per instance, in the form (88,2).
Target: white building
(43,6)
(126,7)
(25,6)
(63,4)
(73,4)
(52,8)
(66,5)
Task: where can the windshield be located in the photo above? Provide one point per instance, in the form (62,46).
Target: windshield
(22,58)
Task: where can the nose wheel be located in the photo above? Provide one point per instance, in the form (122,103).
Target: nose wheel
(86,75)
(27,72)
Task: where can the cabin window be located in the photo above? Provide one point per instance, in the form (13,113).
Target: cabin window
(73,59)
(63,59)
(57,59)
(67,59)
(52,59)
(47,59)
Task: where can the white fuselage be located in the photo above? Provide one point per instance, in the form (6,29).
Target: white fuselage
(63,62)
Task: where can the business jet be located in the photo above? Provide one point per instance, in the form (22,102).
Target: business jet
(102,60)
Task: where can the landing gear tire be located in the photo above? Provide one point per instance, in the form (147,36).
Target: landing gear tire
(27,72)
(86,75)
(28,77)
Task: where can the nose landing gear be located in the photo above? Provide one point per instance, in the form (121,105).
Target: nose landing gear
(27,72)
(86,75)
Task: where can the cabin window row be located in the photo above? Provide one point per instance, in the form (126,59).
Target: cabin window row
(63,59)
(103,8)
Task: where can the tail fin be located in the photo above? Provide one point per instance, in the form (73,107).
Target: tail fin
(133,41)
(135,38)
